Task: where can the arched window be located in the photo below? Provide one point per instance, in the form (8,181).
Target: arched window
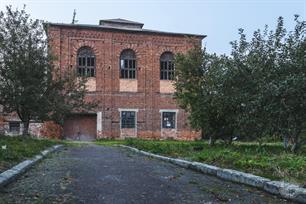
(86,62)
(167,66)
(128,64)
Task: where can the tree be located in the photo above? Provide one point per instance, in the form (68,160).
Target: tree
(289,83)
(251,65)
(30,84)
(272,65)
(257,91)
(204,89)
(189,71)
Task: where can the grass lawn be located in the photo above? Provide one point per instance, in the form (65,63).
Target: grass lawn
(20,148)
(269,160)
(110,142)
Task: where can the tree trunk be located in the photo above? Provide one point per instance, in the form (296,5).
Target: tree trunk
(25,131)
(295,142)
(211,140)
(202,134)
(230,140)
(260,141)
(285,141)
(295,145)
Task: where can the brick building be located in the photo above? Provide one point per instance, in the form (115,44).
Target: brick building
(130,71)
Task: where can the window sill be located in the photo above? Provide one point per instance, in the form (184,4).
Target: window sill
(128,79)
(168,128)
(86,77)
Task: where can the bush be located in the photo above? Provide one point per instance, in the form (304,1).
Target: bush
(51,130)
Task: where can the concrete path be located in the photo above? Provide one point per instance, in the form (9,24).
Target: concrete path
(97,174)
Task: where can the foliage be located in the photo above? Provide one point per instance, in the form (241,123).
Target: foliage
(189,81)
(271,68)
(30,84)
(203,88)
(109,142)
(51,130)
(20,148)
(257,91)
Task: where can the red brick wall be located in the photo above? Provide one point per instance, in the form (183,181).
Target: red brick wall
(107,46)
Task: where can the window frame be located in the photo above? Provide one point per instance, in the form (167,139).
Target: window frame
(167,68)
(128,64)
(86,62)
(173,111)
(135,118)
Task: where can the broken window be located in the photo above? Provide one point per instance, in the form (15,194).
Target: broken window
(128,119)
(168,120)
(86,62)
(167,66)
(128,64)
(14,127)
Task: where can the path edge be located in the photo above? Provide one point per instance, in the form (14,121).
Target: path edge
(11,174)
(282,189)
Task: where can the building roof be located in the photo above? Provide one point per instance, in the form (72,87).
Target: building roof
(123,29)
(120,20)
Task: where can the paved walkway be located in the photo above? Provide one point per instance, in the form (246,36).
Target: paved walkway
(97,174)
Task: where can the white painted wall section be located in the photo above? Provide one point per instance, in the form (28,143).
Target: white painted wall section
(99,121)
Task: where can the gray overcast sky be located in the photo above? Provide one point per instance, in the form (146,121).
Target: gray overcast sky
(219,19)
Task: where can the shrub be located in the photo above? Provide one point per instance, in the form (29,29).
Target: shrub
(51,130)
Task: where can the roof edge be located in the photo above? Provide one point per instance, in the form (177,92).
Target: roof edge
(98,27)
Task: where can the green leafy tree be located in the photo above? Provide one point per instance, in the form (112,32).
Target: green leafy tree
(272,66)
(189,82)
(250,64)
(289,83)
(258,91)
(30,84)
(204,89)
